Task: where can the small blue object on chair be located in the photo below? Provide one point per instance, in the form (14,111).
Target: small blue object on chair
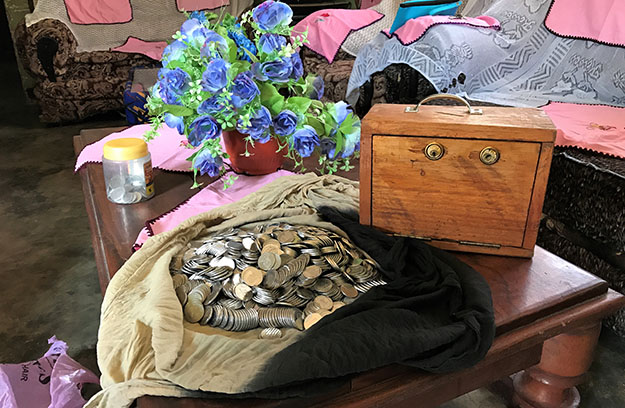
(420,8)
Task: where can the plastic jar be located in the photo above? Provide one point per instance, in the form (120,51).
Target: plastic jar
(127,166)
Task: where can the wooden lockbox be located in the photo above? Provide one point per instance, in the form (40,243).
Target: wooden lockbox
(457,177)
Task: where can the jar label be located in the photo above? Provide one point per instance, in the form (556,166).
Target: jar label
(149,182)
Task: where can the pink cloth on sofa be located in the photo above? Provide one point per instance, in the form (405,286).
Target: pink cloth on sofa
(153,49)
(99,11)
(209,197)
(328,29)
(599,20)
(594,127)
(192,5)
(166,150)
(414,28)
(365,4)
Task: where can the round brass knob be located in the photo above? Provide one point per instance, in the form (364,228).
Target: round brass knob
(434,151)
(489,155)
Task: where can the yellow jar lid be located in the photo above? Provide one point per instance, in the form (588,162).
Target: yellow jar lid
(128,148)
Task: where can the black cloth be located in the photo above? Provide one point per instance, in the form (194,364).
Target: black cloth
(435,314)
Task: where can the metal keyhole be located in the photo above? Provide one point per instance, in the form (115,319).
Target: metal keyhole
(489,155)
(434,151)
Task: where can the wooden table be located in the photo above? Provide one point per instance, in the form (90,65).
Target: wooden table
(548,314)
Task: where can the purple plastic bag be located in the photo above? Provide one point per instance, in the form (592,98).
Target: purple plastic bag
(52,381)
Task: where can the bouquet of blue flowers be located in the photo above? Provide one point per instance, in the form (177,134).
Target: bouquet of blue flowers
(222,74)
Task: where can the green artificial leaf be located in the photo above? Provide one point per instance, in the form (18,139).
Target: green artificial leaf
(298,104)
(180,63)
(271,98)
(177,110)
(276,107)
(232,48)
(316,104)
(268,92)
(348,124)
(339,138)
(239,66)
(316,124)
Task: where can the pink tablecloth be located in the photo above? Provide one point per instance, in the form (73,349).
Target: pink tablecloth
(594,127)
(599,20)
(211,196)
(153,49)
(328,29)
(166,150)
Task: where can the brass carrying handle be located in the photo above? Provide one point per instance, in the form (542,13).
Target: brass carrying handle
(472,111)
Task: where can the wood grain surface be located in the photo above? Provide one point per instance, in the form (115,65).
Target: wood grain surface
(456,196)
(497,123)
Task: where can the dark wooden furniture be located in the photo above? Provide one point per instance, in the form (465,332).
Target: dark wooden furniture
(463,181)
(548,314)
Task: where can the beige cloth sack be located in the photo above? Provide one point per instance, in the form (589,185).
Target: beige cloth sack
(144,345)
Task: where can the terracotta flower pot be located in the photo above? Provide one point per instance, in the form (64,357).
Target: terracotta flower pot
(264,158)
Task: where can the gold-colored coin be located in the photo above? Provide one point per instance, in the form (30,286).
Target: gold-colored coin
(252,276)
(311,320)
(348,290)
(324,313)
(337,305)
(286,237)
(179,279)
(193,312)
(323,302)
(312,272)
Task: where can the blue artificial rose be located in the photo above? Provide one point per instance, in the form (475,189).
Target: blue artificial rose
(173,84)
(269,43)
(201,129)
(259,125)
(285,123)
(205,163)
(215,76)
(194,33)
(270,15)
(297,66)
(278,70)
(305,140)
(175,122)
(328,147)
(173,52)
(340,112)
(214,46)
(244,89)
(213,105)
(316,92)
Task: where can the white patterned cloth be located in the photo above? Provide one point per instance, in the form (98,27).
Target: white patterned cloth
(523,64)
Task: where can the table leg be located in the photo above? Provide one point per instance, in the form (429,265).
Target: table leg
(563,364)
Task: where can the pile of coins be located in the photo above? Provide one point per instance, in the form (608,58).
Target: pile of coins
(127,190)
(274,276)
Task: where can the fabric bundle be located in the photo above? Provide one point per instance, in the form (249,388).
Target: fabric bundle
(434,314)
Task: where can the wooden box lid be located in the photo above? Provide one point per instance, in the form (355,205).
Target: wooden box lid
(498,123)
